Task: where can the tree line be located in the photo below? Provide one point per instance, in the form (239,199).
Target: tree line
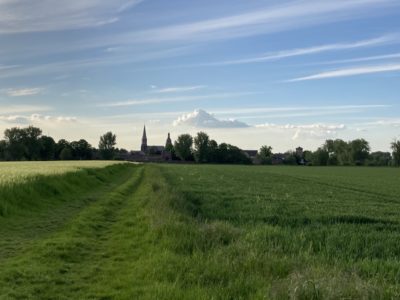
(202,149)
(336,153)
(30,144)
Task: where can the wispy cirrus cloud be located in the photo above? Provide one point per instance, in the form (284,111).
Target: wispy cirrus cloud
(23,108)
(149,101)
(335,108)
(23,92)
(360,59)
(293,14)
(180,89)
(47,15)
(36,118)
(354,71)
(383,40)
(103,61)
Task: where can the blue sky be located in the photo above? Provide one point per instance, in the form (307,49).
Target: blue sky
(282,73)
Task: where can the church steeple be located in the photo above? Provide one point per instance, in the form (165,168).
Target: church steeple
(143,148)
(168,143)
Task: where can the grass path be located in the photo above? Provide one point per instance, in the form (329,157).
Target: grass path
(70,257)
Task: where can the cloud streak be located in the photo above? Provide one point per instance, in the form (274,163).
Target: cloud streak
(149,101)
(48,15)
(23,92)
(383,40)
(180,89)
(290,15)
(355,71)
(16,109)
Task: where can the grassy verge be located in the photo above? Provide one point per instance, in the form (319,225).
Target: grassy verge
(37,208)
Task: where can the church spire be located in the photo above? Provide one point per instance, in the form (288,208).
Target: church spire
(143,148)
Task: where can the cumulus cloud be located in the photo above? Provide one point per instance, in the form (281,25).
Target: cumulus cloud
(202,119)
(317,130)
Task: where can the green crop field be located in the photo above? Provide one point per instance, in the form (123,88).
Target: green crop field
(128,231)
(17,172)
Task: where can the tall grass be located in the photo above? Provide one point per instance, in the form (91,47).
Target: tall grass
(26,187)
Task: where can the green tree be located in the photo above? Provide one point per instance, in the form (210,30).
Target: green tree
(290,158)
(382,159)
(201,147)
(213,151)
(359,150)
(81,150)
(3,150)
(265,155)
(47,148)
(320,157)
(66,154)
(183,146)
(23,143)
(106,145)
(60,146)
(396,152)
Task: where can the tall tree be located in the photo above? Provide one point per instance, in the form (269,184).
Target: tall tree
(60,146)
(81,150)
(47,148)
(3,150)
(201,150)
(106,145)
(265,155)
(183,146)
(213,151)
(396,152)
(23,143)
(359,150)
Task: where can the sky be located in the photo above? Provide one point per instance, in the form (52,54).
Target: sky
(250,73)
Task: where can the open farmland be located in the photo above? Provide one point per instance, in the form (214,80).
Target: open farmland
(202,231)
(15,172)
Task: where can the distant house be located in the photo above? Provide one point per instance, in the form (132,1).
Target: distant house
(252,154)
(278,158)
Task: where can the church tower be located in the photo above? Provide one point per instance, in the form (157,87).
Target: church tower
(143,148)
(168,143)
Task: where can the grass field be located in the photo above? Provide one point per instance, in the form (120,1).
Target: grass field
(202,232)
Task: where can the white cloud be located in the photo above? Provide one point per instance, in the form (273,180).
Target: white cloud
(317,130)
(286,16)
(160,100)
(65,66)
(36,118)
(361,59)
(202,119)
(312,50)
(350,72)
(23,92)
(50,15)
(16,109)
(180,89)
